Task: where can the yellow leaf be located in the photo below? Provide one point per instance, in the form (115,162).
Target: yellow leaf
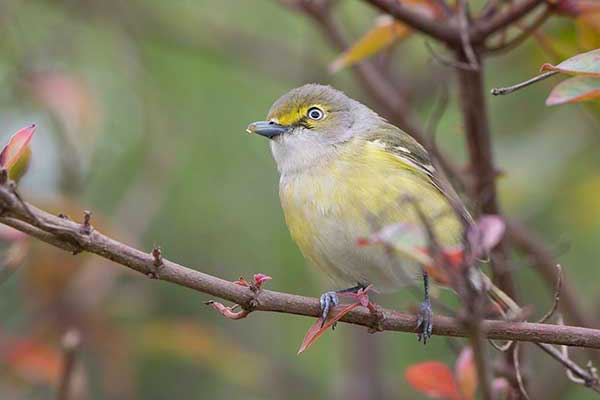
(385,32)
(588,31)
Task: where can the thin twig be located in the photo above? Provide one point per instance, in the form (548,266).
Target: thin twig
(556,301)
(501,348)
(518,374)
(500,21)
(526,32)
(545,264)
(514,88)
(581,374)
(446,61)
(70,343)
(463,26)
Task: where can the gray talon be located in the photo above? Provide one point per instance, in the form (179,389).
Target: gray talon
(425,321)
(328,300)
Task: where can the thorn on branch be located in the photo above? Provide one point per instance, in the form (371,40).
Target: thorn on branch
(157,263)
(86,227)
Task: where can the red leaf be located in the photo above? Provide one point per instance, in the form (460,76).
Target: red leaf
(575,8)
(434,379)
(16,147)
(486,234)
(318,328)
(575,89)
(585,64)
(259,279)
(466,373)
(34,361)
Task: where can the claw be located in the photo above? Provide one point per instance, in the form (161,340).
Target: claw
(327,300)
(424,321)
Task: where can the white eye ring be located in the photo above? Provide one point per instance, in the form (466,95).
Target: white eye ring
(315,113)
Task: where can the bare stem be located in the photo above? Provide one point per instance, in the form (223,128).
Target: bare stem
(518,86)
(70,343)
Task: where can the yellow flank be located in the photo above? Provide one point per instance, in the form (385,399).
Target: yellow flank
(328,207)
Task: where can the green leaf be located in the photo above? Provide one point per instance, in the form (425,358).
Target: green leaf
(586,64)
(576,89)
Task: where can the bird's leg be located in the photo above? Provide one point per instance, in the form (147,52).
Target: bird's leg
(331,299)
(425,314)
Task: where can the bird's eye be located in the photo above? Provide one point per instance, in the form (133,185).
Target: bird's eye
(315,113)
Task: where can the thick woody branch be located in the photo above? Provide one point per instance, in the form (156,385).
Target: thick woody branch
(439,30)
(69,235)
(481,160)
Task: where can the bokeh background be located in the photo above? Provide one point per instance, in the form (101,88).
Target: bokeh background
(141,108)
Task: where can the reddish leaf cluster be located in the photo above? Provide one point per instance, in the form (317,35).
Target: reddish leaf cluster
(575,8)
(584,83)
(436,380)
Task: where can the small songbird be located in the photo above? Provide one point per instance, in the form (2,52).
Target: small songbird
(345,170)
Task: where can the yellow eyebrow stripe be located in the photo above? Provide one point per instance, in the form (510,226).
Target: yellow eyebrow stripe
(295,115)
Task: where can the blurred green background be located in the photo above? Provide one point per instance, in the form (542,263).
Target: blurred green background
(141,108)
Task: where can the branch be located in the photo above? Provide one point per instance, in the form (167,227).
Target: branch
(526,32)
(437,29)
(70,236)
(484,29)
(479,146)
(518,86)
(545,264)
(372,79)
(70,342)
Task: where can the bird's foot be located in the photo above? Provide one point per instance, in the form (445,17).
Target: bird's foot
(328,300)
(424,321)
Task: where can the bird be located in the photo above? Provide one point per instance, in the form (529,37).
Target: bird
(343,171)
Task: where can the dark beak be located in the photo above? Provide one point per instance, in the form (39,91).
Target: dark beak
(267,129)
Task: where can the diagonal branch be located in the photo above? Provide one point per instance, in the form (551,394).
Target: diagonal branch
(69,235)
(486,28)
(439,30)
(372,79)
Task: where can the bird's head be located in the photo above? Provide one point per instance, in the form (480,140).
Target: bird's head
(306,124)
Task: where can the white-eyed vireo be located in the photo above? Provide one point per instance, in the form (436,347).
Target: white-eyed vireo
(344,170)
